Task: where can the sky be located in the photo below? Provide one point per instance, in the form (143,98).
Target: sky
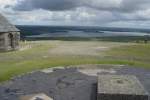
(105,13)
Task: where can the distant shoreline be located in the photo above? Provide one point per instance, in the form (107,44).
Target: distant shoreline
(108,38)
(80,33)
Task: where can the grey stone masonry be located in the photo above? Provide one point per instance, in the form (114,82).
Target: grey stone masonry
(9,35)
(120,87)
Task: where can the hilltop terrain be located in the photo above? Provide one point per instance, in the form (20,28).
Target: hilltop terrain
(35,55)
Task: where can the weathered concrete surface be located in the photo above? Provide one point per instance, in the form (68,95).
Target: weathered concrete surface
(61,85)
(66,84)
(120,87)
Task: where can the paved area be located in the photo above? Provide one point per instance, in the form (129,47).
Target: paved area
(67,84)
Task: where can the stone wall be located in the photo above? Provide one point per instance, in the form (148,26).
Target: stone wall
(17,40)
(9,43)
(2,41)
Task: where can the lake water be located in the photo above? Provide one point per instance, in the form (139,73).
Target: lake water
(69,31)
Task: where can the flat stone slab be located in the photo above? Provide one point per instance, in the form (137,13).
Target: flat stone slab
(120,87)
(35,97)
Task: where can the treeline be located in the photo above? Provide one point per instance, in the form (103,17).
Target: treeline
(137,39)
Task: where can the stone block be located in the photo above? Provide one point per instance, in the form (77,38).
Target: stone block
(120,87)
(35,97)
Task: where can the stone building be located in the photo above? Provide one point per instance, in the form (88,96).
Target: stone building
(9,35)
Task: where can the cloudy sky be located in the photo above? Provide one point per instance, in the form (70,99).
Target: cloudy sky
(111,13)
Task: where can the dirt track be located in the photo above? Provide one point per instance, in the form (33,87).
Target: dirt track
(80,48)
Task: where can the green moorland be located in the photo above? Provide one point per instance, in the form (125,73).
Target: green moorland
(45,54)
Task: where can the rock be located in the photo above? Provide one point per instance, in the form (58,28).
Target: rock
(120,87)
(35,97)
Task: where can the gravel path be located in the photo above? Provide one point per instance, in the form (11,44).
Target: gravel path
(79,48)
(67,84)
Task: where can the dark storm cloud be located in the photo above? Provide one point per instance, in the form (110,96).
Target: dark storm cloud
(122,6)
(134,5)
(53,5)
(60,5)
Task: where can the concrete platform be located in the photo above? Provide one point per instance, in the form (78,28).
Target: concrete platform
(68,83)
(120,87)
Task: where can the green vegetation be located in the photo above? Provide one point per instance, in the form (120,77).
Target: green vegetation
(46,54)
(138,39)
(137,54)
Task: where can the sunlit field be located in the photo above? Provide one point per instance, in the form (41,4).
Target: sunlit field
(45,54)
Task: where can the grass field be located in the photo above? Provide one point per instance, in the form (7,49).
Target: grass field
(44,54)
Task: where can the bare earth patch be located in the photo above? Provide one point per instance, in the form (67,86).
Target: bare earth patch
(82,48)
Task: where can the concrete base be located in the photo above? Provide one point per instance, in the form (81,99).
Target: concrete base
(120,87)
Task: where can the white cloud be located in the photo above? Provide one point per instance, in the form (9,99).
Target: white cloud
(4,3)
(77,12)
